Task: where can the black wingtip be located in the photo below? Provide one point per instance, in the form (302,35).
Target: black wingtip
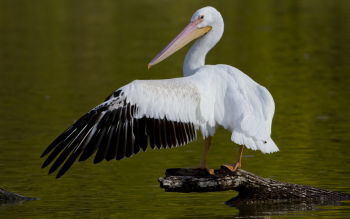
(48,149)
(58,175)
(44,165)
(51,170)
(48,161)
(98,160)
(61,172)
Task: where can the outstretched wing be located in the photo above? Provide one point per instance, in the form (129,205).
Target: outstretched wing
(163,113)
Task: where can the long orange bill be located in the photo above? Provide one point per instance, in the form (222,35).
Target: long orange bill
(189,33)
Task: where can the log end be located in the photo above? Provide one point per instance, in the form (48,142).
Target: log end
(10,197)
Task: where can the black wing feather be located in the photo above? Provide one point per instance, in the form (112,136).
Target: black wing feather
(114,132)
(58,140)
(102,150)
(91,146)
(164,133)
(68,149)
(179,133)
(57,150)
(172,134)
(129,144)
(151,132)
(137,136)
(158,133)
(113,145)
(143,134)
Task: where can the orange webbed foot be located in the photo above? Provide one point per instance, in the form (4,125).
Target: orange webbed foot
(233,167)
(210,171)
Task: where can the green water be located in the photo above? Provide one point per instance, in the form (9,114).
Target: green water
(59,58)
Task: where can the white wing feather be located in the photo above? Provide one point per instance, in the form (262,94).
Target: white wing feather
(176,99)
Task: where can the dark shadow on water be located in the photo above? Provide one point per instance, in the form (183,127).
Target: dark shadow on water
(282,208)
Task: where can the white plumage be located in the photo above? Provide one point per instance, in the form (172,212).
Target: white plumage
(166,113)
(214,95)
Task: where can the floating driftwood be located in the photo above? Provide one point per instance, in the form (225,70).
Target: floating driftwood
(10,197)
(252,189)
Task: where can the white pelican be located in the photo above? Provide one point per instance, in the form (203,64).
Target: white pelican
(167,113)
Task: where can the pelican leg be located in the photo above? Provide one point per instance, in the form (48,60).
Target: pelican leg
(237,165)
(203,163)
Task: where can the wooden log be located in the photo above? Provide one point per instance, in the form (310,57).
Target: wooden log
(10,197)
(252,189)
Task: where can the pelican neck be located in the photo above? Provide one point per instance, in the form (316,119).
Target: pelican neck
(195,58)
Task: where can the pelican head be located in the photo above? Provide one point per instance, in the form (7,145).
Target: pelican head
(206,24)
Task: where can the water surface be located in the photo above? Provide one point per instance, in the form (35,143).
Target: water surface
(58,59)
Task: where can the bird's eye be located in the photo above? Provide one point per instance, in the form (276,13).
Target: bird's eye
(201,17)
